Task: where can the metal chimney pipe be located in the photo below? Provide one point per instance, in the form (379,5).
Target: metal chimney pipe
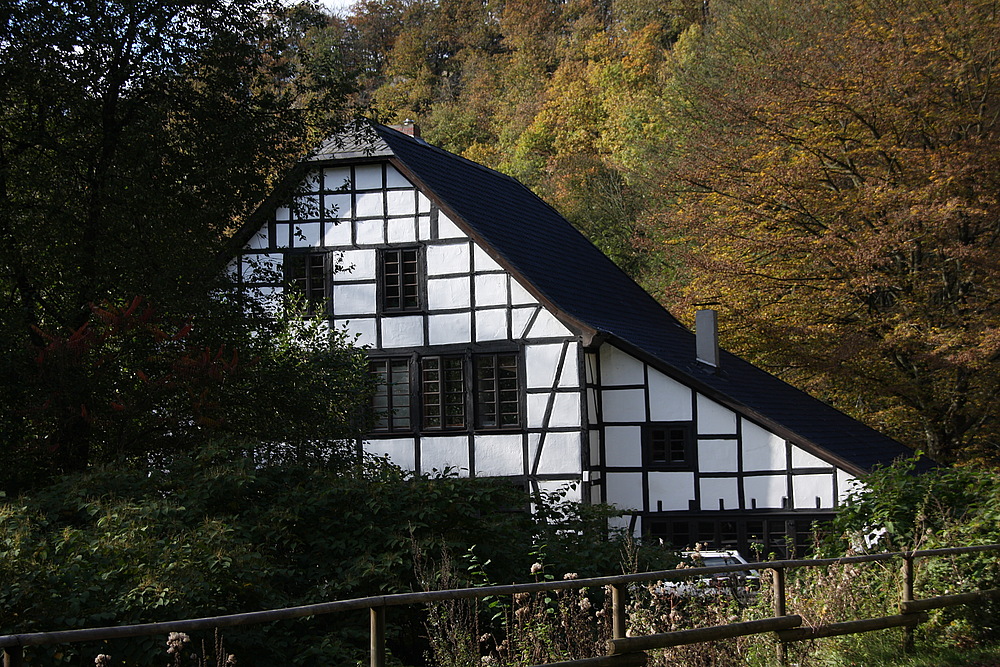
(706,329)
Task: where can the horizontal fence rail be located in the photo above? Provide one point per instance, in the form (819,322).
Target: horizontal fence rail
(622,651)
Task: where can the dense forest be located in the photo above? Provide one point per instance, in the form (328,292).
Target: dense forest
(822,173)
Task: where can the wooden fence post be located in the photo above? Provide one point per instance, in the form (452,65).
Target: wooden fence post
(778,590)
(907,597)
(377,637)
(13,656)
(618,611)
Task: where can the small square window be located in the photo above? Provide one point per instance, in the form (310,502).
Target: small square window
(668,445)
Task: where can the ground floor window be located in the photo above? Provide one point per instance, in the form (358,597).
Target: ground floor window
(762,537)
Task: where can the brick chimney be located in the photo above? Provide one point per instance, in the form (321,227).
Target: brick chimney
(408,127)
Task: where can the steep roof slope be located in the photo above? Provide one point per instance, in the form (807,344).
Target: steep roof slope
(580,283)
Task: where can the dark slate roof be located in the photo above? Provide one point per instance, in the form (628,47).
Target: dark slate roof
(579,282)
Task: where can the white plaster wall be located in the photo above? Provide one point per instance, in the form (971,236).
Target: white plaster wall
(519,318)
(448,293)
(570,492)
(447,258)
(714,488)
(623,446)
(399,451)
(447,229)
(491,325)
(451,328)
(401,230)
(338,234)
(803,459)
(402,331)
(768,490)
(718,456)
(491,289)
(624,405)
(806,488)
(846,483)
(259,240)
(762,450)
(541,362)
(368,177)
(358,265)
(547,326)
(394,179)
(369,205)
(424,228)
(562,453)
(624,489)
(619,368)
(565,410)
(369,232)
(438,453)
(669,400)
(570,378)
(354,299)
(590,367)
(307,235)
(362,328)
(520,296)
(498,455)
(592,416)
(595,447)
(675,490)
(714,419)
(482,261)
(339,205)
(400,202)
(335,178)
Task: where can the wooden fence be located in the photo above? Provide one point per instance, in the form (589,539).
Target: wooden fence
(622,651)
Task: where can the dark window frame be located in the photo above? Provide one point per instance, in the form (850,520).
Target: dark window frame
(669,446)
(396,416)
(401,290)
(504,410)
(446,392)
(306,282)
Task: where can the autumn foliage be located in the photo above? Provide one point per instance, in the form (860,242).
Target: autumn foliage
(838,185)
(823,173)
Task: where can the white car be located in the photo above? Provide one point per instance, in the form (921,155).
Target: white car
(741,585)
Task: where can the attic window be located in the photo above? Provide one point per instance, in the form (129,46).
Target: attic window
(305,282)
(401,274)
(668,445)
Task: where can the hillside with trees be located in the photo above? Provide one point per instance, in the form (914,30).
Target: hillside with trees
(824,174)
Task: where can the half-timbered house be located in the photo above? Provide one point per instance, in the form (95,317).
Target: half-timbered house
(507,345)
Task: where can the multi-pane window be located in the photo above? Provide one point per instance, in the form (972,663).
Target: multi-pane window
(392,395)
(442,381)
(400,273)
(669,445)
(497,391)
(449,391)
(305,281)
